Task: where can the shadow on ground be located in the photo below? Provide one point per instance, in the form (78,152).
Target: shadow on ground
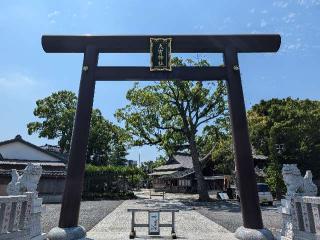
(216,205)
(163,204)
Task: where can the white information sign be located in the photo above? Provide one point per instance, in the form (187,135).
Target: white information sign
(154,218)
(224,196)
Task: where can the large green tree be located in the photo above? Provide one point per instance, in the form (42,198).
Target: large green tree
(172,114)
(107,142)
(287,130)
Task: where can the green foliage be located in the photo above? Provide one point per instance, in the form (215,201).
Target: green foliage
(110,182)
(148,166)
(217,139)
(57,112)
(274,179)
(292,122)
(107,142)
(111,170)
(223,156)
(169,113)
(159,162)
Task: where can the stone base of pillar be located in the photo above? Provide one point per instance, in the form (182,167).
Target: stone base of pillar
(243,233)
(73,233)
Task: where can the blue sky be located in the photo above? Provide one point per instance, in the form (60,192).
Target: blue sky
(28,74)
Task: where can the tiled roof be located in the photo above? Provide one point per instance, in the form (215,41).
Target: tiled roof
(162,173)
(25,162)
(169,167)
(179,174)
(259,157)
(44,173)
(184,161)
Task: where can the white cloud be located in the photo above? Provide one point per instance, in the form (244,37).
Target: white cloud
(252,10)
(280,4)
(308,3)
(249,25)
(263,23)
(53,14)
(264,11)
(302,3)
(16,81)
(290,18)
(294,46)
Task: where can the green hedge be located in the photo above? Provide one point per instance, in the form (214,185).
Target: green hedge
(110,182)
(108,196)
(121,170)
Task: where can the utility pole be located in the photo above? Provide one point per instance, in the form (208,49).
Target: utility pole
(139,159)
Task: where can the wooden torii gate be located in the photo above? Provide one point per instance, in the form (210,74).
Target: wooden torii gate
(91,46)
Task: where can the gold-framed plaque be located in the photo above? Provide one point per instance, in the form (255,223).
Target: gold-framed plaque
(160,54)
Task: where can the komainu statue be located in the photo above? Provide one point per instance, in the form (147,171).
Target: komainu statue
(295,183)
(297,188)
(310,189)
(27,182)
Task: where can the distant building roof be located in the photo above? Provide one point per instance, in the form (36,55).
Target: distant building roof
(178,174)
(168,167)
(177,162)
(162,173)
(7,173)
(25,162)
(184,160)
(19,139)
(259,157)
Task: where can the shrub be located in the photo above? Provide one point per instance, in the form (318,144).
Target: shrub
(110,182)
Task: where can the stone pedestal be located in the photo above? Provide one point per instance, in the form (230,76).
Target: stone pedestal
(73,233)
(35,219)
(243,233)
(287,224)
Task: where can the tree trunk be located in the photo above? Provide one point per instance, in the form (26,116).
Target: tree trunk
(201,184)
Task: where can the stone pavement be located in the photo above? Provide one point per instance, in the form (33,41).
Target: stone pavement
(189,223)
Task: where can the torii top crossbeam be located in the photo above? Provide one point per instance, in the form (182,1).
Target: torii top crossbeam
(180,43)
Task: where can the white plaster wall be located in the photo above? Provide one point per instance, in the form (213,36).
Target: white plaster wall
(17,150)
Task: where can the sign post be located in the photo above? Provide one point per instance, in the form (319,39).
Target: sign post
(154,219)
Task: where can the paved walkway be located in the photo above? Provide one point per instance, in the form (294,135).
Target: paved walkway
(189,223)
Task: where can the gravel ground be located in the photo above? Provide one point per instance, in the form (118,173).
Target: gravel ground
(91,212)
(228,214)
